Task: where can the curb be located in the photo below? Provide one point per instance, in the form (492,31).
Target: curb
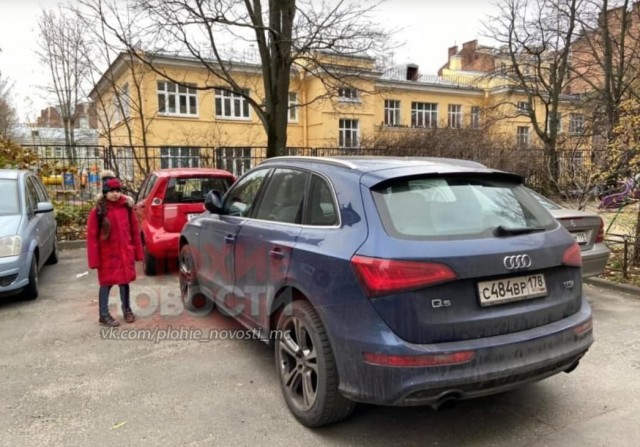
(633,290)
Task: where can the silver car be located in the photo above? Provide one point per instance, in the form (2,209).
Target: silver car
(27,232)
(587,229)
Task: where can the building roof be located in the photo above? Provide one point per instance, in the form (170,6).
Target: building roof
(26,134)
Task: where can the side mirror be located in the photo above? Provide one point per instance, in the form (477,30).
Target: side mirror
(213,202)
(44,207)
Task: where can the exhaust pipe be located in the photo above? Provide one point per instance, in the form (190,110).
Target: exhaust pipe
(573,366)
(447,401)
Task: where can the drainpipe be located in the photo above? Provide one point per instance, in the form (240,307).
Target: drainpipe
(303,112)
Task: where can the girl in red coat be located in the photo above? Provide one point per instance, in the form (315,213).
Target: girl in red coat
(113,247)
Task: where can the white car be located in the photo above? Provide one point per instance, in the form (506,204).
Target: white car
(587,229)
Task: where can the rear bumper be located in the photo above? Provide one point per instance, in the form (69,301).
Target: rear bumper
(162,243)
(595,260)
(500,362)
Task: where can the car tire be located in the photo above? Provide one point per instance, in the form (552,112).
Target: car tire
(192,299)
(306,368)
(30,292)
(53,257)
(148,263)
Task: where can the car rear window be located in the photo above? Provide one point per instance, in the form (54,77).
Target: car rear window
(455,206)
(10,204)
(194,189)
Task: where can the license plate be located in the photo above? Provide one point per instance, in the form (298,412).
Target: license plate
(192,215)
(511,289)
(580,237)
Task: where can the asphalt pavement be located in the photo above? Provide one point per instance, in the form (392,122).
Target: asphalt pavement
(173,379)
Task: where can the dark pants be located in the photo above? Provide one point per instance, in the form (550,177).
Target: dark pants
(103,298)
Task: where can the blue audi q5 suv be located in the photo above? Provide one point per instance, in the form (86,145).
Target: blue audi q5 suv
(392,281)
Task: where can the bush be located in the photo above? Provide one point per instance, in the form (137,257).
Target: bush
(72,219)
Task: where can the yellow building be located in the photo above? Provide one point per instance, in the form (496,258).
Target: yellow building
(138,107)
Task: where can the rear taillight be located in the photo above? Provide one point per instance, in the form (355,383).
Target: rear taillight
(600,235)
(572,256)
(384,276)
(156,210)
(454,358)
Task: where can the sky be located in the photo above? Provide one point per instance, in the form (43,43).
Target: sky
(426,29)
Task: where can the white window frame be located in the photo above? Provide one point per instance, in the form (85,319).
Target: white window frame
(523,107)
(391,112)
(232,106)
(455,116)
(522,137)
(424,114)
(476,117)
(348,133)
(171,96)
(292,105)
(348,94)
(124,158)
(173,157)
(576,123)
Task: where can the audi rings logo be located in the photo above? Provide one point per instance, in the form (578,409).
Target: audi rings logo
(517,262)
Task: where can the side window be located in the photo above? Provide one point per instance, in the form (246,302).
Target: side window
(146,187)
(283,196)
(31,196)
(40,189)
(240,198)
(322,209)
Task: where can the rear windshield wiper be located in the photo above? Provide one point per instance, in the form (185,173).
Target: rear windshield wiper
(509,231)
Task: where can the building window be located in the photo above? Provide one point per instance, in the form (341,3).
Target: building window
(523,137)
(391,112)
(455,116)
(236,160)
(424,114)
(558,123)
(576,123)
(124,158)
(523,107)
(348,94)
(174,99)
(475,117)
(293,107)
(179,157)
(232,105)
(348,133)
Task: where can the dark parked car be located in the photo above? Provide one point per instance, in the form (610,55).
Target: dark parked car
(27,232)
(587,229)
(166,200)
(390,281)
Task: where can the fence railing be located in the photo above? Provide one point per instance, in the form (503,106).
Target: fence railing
(623,262)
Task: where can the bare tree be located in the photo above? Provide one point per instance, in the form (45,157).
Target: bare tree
(62,50)
(290,36)
(7,111)
(535,44)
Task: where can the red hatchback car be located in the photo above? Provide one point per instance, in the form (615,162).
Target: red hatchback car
(166,200)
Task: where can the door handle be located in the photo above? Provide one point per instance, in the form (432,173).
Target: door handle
(229,238)
(276,253)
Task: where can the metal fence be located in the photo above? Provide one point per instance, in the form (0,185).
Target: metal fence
(77,168)
(623,264)
(72,175)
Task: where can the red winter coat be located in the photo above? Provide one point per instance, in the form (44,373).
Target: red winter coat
(115,256)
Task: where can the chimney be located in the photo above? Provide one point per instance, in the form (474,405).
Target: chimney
(452,51)
(412,72)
